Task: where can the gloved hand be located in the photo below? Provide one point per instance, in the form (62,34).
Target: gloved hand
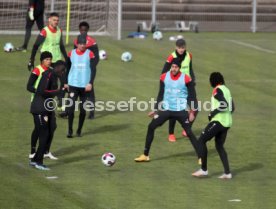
(211,115)
(31,65)
(31,13)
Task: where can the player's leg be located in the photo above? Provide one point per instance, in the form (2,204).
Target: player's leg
(91,97)
(182,118)
(28,30)
(219,141)
(41,122)
(83,98)
(40,21)
(159,119)
(172,123)
(34,138)
(73,95)
(211,130)
(52,128)
(191,122)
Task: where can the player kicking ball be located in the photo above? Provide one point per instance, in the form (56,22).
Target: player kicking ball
(173,93)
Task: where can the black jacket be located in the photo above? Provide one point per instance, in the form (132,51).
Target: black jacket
(46,91)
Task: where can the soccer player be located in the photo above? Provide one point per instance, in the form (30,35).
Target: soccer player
(35,77)
(50,38)
(220,121)
(35,13)
(81,74)
(174,89)
(185,58)
(43,111)
(91,45)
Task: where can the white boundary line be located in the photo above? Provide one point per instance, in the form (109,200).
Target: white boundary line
(252,46)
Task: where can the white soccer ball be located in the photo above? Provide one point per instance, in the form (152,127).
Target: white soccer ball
(8,47)
(172,38)
(102,54)
(126,56)
(157,35)
(180,37)
(108,159)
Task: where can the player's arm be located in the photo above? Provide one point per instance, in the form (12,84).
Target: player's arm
(93,69)
(45,87)
(94,48)
(168,64)
(191,99)
(62,48)
(192,72)
(68,67)
(161,91)
(218,94)
(39,40)
(30,85)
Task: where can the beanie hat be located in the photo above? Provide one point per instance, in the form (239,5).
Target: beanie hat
(81,39)
(176,62)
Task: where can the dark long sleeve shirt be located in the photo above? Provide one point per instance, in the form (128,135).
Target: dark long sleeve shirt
(218,94)
(38,6)
(39,41)
(191,99)
(168,64)
(92,46)
(47,88)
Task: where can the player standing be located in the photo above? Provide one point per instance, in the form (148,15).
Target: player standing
(174,89)
(185,58)
(35,77)
(50,38)
(81,74)
(220,121)
(91,45)
(44,113)
(35,13)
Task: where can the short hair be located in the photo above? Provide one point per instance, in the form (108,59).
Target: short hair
(216,78)
(180,43)
(83,24)
(54,14)
(59,62)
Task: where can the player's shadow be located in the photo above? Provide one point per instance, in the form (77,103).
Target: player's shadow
(107,128)
(184,154)
(101,114)
(247,168)
(73,159)
(74,148)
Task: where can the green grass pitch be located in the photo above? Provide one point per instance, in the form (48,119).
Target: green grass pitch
(166,182)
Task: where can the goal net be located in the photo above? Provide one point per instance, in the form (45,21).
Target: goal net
(103,16)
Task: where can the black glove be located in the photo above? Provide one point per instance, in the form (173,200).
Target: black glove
(209,117)
(31,65)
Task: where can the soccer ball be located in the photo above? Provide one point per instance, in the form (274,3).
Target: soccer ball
(8,47)
(172,38)
(157,35)
(180,37)
(126,56)
(102,54)
(108,159)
